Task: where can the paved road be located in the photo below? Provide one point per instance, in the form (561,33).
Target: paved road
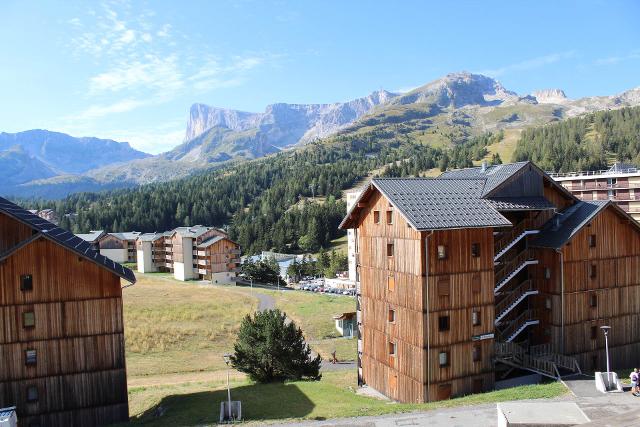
(605,410)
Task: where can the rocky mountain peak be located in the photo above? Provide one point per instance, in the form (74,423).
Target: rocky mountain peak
(550,96)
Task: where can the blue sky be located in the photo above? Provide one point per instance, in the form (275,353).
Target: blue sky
(131,70)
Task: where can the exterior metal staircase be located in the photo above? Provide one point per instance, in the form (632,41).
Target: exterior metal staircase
(512,330)
(512,236)
(538,359)
(511,268)
(513,298)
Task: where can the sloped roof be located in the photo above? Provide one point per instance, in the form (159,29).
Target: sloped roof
(494,175)
(92,236)
(520,203)
(563,226)
(64,238)
(195,231)
(149,237)
(127,235)
(439,203)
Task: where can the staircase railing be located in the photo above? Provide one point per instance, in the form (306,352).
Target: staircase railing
(546,364)
(512,297)
(510,266)
(515,324)
(514,232)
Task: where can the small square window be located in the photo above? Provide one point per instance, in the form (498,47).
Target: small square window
(547,273)
(547,303)
(442,252)
(389,249)
(376,217)
(391,283)
(475,250)
(26,282)
(443,323)
(593,271)
(28,319)
(392,349)
(477,353)
(389,217)
(392,315)
(475,317)
(594,332)
(592,241)
(32,393)
(30,357)
(443,287)
(443,358)
(593,300)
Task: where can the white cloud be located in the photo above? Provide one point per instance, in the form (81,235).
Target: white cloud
(97,110)
(529,64)
(152,72)
(612,60)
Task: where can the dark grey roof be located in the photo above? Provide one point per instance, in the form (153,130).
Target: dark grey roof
(195,231)
(563,226)
(211,241)
(520,203)
(432,204)
(62,237)
(495,175)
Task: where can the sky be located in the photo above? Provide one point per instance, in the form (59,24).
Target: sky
(130,70)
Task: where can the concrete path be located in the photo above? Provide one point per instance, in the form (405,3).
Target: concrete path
(265,302)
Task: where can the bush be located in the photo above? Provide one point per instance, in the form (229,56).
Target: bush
(271,349)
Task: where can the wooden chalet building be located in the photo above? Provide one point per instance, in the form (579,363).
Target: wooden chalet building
(465,276)
(198,252)
(120,247)
(62,354)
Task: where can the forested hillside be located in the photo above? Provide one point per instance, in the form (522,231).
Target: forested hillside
(590,142)
(267,203)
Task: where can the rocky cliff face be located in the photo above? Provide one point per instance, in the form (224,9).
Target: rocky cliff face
(550,96)
(285,124)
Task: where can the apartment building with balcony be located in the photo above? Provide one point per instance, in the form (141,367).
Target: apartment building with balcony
(484,273)
(620,184)
(190,253)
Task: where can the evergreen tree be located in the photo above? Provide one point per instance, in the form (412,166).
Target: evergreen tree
(271,348)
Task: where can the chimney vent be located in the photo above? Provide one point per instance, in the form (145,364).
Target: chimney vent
(484,165)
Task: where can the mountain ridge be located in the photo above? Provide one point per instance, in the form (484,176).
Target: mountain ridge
(445,111)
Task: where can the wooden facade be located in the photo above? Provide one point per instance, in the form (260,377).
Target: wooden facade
(442,311)
(420,289)
(62,355)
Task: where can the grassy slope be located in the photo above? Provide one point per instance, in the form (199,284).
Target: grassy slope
(313,313)
(332,397)
(176,326)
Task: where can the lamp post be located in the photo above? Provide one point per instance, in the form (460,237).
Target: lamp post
(227,360)
(605,329)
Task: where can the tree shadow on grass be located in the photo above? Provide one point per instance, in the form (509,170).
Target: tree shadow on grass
(259,402)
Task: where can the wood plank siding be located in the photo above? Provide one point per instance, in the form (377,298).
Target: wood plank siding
(78,336)
(395,278)
(601,287)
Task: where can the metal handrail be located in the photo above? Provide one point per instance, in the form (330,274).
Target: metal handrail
(510,266)
(513,296)
(591,173)
(517,323)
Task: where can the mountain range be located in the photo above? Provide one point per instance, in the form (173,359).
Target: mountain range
(446,111)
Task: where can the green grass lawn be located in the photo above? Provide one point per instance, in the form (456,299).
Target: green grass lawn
(173,326)
(313,313)
(332,397)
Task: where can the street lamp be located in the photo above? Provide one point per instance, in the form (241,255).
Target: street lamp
(227,360)
(605,329)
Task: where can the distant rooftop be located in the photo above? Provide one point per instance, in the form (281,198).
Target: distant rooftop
(91,236)
(617,169)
